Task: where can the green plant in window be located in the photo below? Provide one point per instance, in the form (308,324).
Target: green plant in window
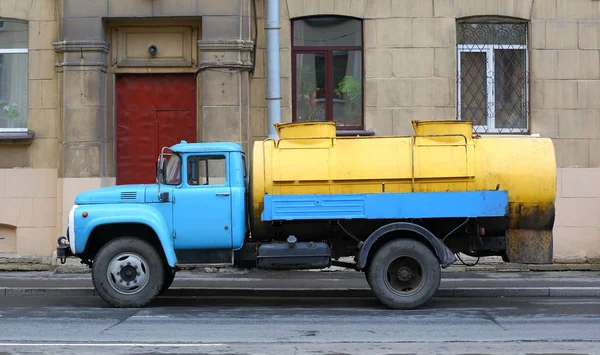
(10,111)
(351,88)
(308,93)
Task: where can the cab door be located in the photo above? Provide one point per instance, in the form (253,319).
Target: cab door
(202,208)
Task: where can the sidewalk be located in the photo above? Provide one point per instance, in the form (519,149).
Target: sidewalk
(491,277)
(10,262)
(258,283)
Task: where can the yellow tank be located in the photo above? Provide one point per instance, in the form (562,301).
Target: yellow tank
(442,156)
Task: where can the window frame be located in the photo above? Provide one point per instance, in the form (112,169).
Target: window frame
(328,51)
(488,49)
(206,158)
(16,51)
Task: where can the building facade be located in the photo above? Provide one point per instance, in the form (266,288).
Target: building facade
(92,89)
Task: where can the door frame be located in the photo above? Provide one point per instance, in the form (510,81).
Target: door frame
(111,168)
(185,185)
(109,154)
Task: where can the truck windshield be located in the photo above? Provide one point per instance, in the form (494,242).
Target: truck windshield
(173,170)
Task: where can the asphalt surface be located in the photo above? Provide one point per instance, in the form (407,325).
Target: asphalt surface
(297,326)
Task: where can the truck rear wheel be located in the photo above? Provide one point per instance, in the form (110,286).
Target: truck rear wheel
(404,274)
(128,272)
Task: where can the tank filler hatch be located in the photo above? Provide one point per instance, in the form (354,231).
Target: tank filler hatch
(447,127)
(306,130)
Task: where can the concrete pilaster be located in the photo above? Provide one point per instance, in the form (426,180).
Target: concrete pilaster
(83,111)
(224,101)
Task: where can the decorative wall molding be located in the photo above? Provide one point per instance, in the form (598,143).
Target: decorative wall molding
(81,55)
(226,45)
(73,66)
(243,66)
(173,45)
(81,46)
(226,53)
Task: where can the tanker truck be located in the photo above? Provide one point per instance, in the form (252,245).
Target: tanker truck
(399,209)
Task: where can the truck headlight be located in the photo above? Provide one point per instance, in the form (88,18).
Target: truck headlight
(72,229)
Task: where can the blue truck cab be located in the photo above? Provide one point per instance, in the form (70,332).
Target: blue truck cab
(198,204)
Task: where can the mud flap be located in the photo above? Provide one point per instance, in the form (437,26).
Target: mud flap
(447,258)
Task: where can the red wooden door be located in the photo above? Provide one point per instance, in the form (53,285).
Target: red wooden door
(152,111)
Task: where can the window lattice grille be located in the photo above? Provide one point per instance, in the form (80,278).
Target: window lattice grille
(493,76)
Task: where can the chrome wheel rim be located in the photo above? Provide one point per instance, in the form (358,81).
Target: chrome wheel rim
(128,273)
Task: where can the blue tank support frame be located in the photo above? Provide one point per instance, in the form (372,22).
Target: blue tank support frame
(410,205)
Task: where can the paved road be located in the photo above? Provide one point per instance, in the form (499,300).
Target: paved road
(286,326)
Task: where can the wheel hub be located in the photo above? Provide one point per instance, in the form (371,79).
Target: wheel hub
(404,274)
(128,273)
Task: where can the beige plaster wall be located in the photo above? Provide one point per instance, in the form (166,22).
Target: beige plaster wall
(410,73)
(41,16)
(410,65)
(69,188)
(28,175)
(28,210)
(577,225)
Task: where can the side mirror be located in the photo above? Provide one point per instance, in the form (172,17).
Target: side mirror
(163,196)
(160,170)
(163,170)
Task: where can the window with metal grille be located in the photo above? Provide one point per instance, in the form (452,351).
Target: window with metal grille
(493,75)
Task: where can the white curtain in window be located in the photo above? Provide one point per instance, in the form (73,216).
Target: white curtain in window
(13,91)
(13,75)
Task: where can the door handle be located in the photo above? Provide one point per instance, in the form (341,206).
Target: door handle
(223,193)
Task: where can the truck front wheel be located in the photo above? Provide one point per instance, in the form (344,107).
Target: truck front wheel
(128,272)
(404,274)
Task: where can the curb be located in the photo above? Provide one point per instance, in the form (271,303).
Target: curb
(324,293)
(7,266)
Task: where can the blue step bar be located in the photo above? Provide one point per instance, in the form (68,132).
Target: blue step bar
(460,204)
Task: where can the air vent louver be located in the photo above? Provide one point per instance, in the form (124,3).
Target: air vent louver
(129,195)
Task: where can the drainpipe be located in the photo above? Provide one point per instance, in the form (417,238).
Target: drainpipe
(273,91)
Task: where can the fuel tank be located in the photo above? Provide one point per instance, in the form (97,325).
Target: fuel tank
(308,158)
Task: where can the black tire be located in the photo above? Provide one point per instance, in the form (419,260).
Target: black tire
(404,274)
(169,277)
(112,290)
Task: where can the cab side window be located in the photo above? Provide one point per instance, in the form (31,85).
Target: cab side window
(207,170)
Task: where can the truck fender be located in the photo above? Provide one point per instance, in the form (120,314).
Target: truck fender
(443,253)
(113,214)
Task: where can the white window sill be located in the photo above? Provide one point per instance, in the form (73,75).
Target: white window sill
(16,137)
(14,130)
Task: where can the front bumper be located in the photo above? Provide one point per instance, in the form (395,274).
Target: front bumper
(63,250)
(66,245)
